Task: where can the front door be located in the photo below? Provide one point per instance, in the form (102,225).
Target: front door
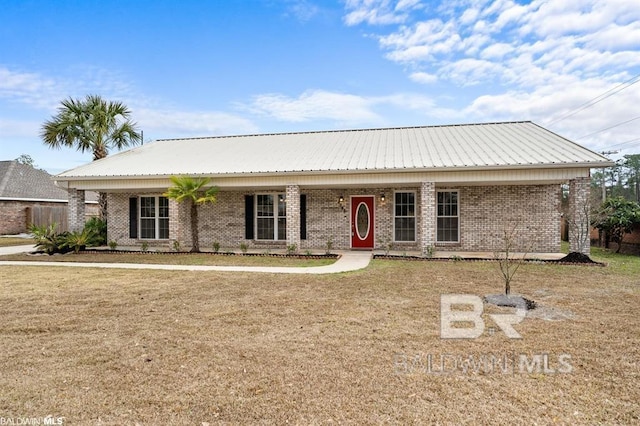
(362,221)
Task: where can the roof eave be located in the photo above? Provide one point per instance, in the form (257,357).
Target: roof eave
(582,165)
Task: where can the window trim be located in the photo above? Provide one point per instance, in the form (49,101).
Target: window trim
(156,217)
(457,191)
(276,216)
(415,216)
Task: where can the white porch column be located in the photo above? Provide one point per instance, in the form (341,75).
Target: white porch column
(427,216)
(293,215)
(578,220)
(75,210)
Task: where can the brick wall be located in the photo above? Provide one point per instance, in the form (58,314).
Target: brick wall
(484,212)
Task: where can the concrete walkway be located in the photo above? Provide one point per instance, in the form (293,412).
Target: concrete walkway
(348,261)
(16,249)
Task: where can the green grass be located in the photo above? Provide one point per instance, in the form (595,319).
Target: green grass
(623,263)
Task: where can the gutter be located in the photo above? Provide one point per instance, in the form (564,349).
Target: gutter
(62,181)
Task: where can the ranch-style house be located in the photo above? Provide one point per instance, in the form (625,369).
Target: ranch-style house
(451,187)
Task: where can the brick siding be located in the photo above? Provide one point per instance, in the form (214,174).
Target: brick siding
(484,212)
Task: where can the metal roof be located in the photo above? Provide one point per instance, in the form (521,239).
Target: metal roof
(469,146)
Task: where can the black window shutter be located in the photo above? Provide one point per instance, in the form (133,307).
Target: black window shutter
(248,217)
(133,217)
(303,216)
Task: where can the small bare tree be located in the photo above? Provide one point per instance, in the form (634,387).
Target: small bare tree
(504,255)
(579,228)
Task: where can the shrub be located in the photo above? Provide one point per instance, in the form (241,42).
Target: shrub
(145,246)
(98,229)
(329,245)
(244,247)
(113,244)
(79,240)
(386,244)
(216,247)
(291,249)
(48,240)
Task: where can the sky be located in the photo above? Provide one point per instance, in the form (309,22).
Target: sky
(205,68)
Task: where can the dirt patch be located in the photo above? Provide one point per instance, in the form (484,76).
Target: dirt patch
(510,301)
(550,313)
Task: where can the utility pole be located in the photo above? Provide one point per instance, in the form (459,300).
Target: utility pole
(604,188)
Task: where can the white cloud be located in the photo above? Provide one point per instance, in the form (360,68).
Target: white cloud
(378,12)
(341,108)
(314,105)
(302,10)
(524,61)
(496,51)
(423,77)
(28,88)
(165,123)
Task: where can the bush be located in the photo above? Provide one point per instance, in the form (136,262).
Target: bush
(77,241)
(51,242)
(98,229)
(48,240)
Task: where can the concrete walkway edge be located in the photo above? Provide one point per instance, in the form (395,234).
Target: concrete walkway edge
(348,261)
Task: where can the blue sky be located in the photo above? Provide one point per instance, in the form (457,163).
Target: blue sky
(201,68)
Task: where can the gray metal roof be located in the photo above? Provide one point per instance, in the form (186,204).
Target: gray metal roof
(470,146)
(22,182)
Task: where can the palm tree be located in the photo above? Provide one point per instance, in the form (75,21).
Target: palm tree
(192,189)
(91,124)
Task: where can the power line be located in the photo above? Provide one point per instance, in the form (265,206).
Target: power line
(625,142)
(610,127)
(620,87)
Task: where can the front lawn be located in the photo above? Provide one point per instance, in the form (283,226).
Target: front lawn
(175,259)
(165,347)
(16,241)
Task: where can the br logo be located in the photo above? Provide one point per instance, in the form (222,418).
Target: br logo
(450,317)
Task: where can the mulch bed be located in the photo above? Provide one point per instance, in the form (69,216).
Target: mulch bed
(137,252)
(570,259)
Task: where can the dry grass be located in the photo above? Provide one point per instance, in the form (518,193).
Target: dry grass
(15,241)
(174,259)
(156,347)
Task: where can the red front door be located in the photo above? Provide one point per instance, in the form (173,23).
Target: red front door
(362,221)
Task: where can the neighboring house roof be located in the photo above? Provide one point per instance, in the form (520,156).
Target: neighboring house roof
(23,182)
(471,146)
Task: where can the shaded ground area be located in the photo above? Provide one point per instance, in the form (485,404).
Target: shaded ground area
(164,347)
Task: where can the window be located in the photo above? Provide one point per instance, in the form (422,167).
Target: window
(404,221)
(271,217)
(448,220)
(154,218)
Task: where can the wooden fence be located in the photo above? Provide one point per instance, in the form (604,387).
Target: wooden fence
(46,215)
